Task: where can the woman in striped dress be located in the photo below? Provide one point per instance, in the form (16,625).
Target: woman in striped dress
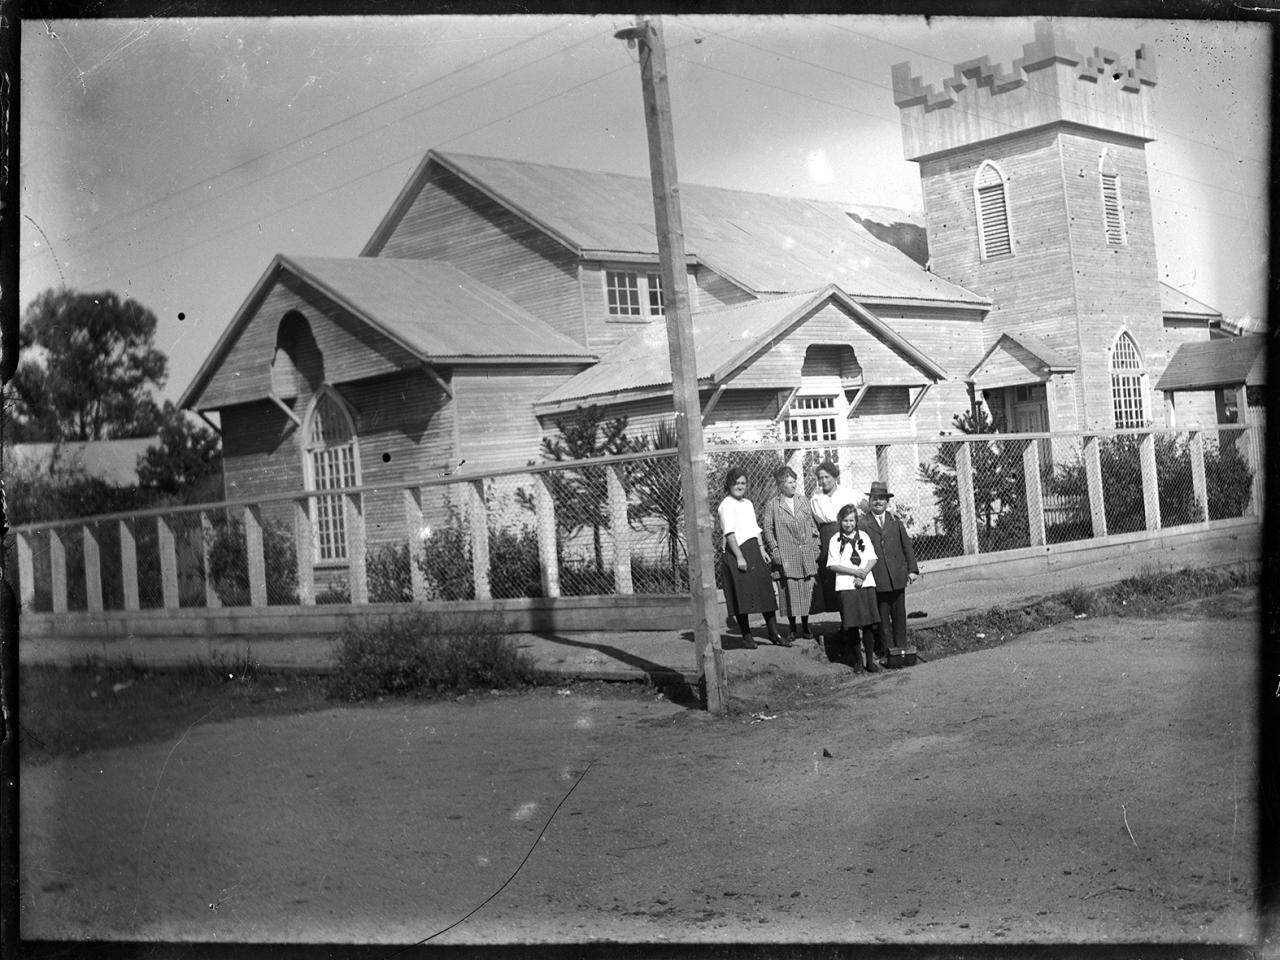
(747,585)
(791,537)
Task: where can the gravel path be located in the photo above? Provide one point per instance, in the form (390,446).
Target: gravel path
(1090,782)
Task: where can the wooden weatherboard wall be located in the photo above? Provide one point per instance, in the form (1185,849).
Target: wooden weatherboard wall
(452,221)
(350,348)
(495,425)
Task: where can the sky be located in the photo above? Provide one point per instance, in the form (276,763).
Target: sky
(170,160)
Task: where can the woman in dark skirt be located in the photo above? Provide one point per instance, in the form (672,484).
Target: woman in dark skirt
(850,558)
(825,506)
(748,587)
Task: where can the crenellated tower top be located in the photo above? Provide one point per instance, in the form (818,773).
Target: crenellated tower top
(1051,83)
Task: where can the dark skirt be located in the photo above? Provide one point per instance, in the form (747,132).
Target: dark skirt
(825,598)
(750,590)
(858,608)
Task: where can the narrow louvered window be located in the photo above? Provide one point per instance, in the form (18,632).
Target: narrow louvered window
(1112,212)
(1128,394)
(993,212)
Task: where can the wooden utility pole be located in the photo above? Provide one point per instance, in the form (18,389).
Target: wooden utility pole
(684,375)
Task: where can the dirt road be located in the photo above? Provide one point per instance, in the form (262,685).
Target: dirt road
(1091,782)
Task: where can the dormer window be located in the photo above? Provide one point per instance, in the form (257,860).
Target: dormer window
(992,204)
(1112,211)
(633,295)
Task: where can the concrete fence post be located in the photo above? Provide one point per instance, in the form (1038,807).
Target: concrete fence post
(92,569)
(1093,477)
(26,572)
(1150,482)
(964,488)
(129,565)
(413,537)
(168,562)
(304,549)
(256,560)
(621,530)
(882,463)
(58,570)
(478,525)
(547,553)
(1035,493)
(1199,485)
(211,599)
(357,547)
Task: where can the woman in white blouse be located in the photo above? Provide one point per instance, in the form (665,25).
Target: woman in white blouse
(825,506)
(748,587)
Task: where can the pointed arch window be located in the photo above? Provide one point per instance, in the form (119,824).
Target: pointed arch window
(1112,209)
(992,203)
(1128,384)
(330,463)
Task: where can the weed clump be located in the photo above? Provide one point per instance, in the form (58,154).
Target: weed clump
(417,654)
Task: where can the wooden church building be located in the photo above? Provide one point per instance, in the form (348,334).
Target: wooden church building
(496,295)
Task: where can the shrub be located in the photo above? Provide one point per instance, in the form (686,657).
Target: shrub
(229,563)
(445,562)
(1229,479)
(515,569)
(417,653)
(388,571)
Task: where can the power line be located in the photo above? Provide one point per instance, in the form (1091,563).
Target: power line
(308,136)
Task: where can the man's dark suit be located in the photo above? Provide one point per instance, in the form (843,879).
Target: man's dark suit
(895,558)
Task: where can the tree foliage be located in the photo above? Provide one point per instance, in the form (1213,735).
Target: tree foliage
(88,369)
(187,461)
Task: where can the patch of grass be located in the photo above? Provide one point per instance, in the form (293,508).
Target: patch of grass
(417,653)
(1151,592)
(98,704)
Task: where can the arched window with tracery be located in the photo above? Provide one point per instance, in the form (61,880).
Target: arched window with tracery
(330,463)
(1128,386)
(991,200)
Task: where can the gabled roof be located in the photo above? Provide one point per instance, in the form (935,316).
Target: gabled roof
(724,341)
(1014,360)
(765,243)
(1217,363)
(1175,303)
(112,461)
(432,309)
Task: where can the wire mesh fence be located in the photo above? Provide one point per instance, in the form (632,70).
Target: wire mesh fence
(616,526)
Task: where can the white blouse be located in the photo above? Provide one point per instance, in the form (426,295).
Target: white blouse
(738,517)
(826,506)
(842,553)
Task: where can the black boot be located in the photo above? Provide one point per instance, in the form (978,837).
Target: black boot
(869,649)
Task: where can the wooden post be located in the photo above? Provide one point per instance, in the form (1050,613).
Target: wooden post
(26,572)
(680,344)
(1198,484)
(1150,482)
(882,462)
(58,570)
(478,524)
(546,520)
(92,569)
(413,536)
(304,549)
(129,565)
(357,547)
(168,562)
(255,558)
(618,524)
(211,599)
(1093,477)
(1256,459)
(964,488)
(1035,493)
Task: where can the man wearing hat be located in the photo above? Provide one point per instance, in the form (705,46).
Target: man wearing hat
(895,567)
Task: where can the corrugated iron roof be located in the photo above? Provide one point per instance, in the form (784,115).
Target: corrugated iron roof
(769,243)
(1216,363)
(723,339)
(434,309)
(1174,301)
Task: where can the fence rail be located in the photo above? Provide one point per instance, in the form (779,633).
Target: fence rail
(614,525)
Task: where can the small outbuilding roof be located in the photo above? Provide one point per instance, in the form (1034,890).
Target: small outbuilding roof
(765,243)
(112,461)
(1217,363)
(1015,360)
(724,341)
